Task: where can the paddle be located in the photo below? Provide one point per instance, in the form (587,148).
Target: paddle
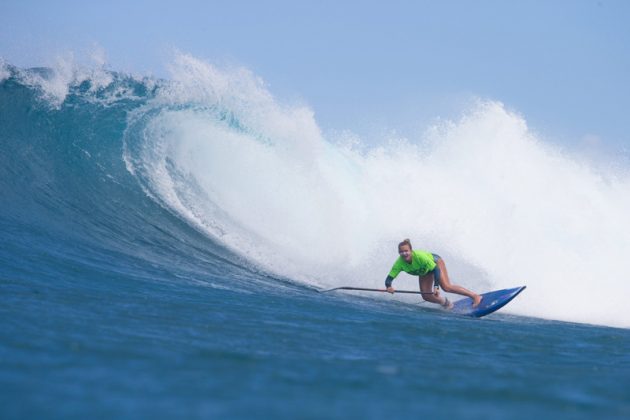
(376,290)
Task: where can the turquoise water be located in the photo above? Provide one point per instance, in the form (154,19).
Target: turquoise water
(116,304)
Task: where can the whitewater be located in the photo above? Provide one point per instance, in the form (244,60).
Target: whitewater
(202,193)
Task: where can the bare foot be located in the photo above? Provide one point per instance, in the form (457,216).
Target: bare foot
(448,305)
(477,301)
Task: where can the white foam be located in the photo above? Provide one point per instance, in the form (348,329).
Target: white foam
(501,206)
(66,72)
(4,70)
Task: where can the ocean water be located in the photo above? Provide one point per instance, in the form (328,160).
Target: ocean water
(163,241)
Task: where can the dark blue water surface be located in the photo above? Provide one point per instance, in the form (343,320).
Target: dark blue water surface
(112,306)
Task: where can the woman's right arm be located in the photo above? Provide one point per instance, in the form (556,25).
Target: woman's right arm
(388,284)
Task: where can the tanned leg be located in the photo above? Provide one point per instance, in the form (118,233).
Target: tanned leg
(446,285)
(426,285)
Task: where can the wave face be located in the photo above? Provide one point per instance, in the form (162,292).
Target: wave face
(209,172)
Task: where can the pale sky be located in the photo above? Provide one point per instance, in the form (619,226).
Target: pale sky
(369,66)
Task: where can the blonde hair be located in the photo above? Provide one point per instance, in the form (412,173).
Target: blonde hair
(405,242)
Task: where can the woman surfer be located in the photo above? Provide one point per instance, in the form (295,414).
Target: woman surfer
(432,274)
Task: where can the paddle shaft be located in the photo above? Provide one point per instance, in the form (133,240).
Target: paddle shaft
(364,289)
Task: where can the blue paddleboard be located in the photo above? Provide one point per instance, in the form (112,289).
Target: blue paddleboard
(492,301)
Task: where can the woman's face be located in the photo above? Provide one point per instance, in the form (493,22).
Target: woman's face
(405,252)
